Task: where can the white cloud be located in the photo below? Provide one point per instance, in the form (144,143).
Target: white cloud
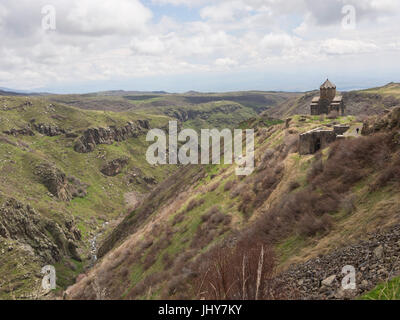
(341,47)
(225,62)
(3,14)
(100,17)
(108,39)
(277,42)
(151,45)
(226,11)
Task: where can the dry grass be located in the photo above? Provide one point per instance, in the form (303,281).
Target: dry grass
(243,272)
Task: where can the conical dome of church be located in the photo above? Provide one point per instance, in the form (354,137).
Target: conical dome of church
(328,85)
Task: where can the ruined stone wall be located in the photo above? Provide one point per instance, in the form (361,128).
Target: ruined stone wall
(340,129)
(313,140)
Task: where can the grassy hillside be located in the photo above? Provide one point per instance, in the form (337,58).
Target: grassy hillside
(300,206)
(105,198)
(195,110)
(159,229)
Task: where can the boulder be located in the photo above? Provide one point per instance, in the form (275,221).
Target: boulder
(378,252)
(329,281)
(114,167)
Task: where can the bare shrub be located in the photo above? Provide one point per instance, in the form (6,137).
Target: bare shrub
(146,285)
(268,154)
(149,260)
(293,186)
(228,186)
(316,168)
(261,197)
(291,142)
(348,203)
(349,161)
(193,204)
(177,286)
(167,260)
(183,261)
(213,187)
(246,204)
(279,169)
(208,231)
(310,225)
(178,218)
(391,174)
(239,273)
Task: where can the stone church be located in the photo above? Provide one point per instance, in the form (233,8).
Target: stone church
(328,101)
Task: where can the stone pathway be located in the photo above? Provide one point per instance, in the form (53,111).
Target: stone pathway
(352,132)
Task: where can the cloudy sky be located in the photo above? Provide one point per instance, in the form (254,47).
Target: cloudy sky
(204,45)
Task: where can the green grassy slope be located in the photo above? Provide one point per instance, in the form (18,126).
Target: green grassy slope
(196,110)
(104,202)
(156,247)
(389,290)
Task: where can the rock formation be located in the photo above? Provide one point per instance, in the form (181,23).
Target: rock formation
(114,167)
(19,132)
(47,238)
(95,136)
(59,185)
(48,129)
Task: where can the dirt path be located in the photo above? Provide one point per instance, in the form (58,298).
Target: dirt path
(352,132)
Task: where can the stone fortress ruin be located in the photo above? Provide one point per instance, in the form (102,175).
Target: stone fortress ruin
(328,101)
(312,141)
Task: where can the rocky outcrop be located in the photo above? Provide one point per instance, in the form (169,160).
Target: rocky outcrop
(95,136)
(45,129)
(19,132)
(47,238)
(59,185)
(137,177)
(48,129)
(114,167)
(375,260)
(382,123)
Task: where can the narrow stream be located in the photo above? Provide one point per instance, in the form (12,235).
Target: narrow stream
(93,244)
